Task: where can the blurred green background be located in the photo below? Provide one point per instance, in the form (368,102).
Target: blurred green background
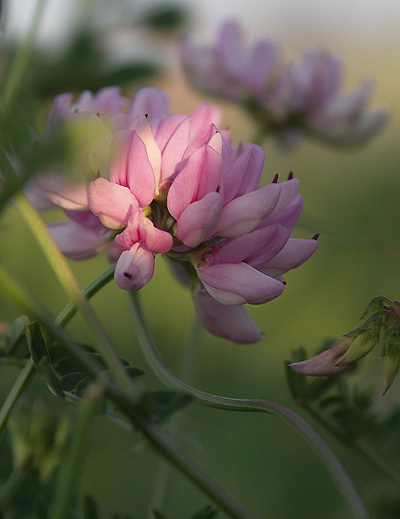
(352,200)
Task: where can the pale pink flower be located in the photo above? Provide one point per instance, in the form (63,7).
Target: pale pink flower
(144,162)
(287,100)
(176,185)
(227,68)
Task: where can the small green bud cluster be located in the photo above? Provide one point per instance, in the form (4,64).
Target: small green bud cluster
(382,325)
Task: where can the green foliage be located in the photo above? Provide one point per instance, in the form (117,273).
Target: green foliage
(345,410)
(41,358)
(16,344)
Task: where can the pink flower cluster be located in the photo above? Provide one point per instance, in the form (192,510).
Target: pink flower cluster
(176,185)
(288,100)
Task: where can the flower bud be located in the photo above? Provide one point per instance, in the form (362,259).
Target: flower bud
(135,267)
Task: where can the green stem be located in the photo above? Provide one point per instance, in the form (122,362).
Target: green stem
(325,454)
(29,370)
(17,73)
(69,474)
(125,403)
(70,284)
(23,379)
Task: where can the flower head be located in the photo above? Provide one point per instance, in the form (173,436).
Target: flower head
(176,185)
(289,100)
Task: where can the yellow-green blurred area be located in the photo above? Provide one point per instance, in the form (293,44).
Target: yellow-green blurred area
(352,198)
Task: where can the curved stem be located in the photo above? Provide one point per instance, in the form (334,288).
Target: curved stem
(331,462)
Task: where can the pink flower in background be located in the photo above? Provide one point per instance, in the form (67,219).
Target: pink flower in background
(288,100)
(340,118)
(227,68)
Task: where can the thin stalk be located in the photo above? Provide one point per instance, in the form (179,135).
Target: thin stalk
(331,462)
(126,403)
(23,379)
(187,373)
(17,73)
(69,474)
(71,286)
(29,370)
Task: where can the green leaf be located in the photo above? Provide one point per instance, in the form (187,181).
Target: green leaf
(41,358)
(70,381)
(134,372)
(159,405)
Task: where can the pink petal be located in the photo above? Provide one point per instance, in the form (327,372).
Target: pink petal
(150,101)
(141,177)
(76,241)
(135,268)
(245,213)
(295,252)
(112,203)
(202,172)
(62,192)
(141,229)
(244,175)
(119,151)
(229,322)
(324,363)
(202,117)
(253,247)
(260,66)
(199,220)
(236,284)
